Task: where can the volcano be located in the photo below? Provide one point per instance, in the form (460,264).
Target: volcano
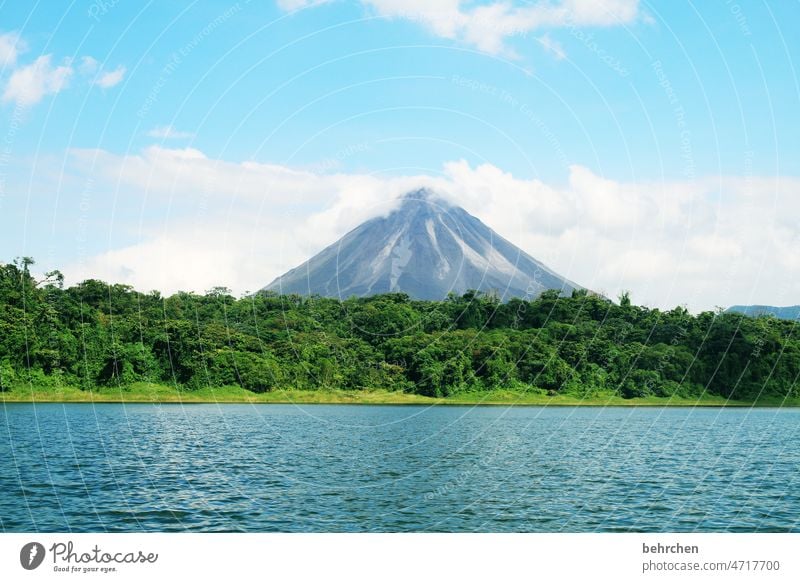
(425,248)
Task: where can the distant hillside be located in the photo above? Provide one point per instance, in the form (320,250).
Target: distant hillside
(791,312)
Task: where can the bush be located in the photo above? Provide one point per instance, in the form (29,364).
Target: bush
(8,378)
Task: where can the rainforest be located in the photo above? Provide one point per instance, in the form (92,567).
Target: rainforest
(97,338)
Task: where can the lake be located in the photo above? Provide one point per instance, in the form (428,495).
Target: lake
(341,468)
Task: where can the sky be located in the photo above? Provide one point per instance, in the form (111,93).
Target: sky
(643,146)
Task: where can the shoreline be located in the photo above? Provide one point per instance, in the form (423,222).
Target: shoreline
(400,404)
(159,394)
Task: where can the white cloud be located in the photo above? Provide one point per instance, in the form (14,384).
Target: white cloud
(29,84)
(213,222)
(488,26)
(88,65)
(169,132)
(11,45)
(109,79)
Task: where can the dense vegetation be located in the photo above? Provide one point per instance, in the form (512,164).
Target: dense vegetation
(96,334)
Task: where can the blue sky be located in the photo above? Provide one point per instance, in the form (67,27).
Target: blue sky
(651,104)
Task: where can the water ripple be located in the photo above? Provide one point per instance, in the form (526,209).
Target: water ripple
(381,468)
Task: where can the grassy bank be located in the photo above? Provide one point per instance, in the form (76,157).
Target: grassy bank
(145,392)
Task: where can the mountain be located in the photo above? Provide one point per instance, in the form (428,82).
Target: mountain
(792,312)
(425,248)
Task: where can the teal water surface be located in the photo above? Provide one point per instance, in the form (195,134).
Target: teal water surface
(340,468)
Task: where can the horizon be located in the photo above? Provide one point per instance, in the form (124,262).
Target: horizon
(626,147)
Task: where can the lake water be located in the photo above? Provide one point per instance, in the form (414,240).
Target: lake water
(112,467)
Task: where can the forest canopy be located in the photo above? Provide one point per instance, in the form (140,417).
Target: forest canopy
(98,334)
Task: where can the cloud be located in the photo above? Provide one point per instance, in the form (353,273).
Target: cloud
(109,79)
(11,45)
(29,84)
(488,26)
(169,132)
(88,65)
(210,222)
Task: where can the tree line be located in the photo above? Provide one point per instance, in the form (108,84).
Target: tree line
(96,334)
